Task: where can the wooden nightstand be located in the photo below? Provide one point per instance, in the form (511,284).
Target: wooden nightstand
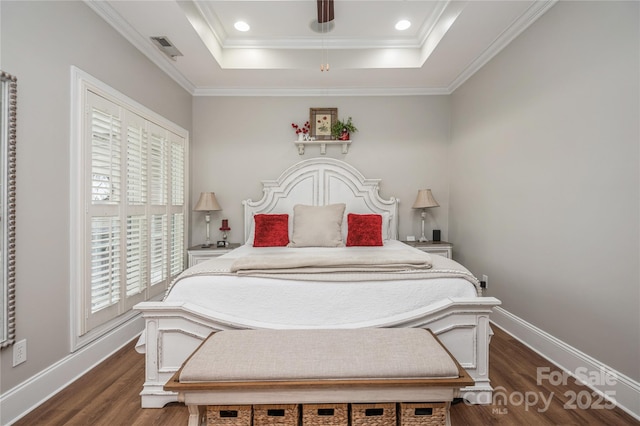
(198,254)
(442,248)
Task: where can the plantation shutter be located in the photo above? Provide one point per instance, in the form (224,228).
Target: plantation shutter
(135,209)
(105,175)
(158,187)
(177,229)
(136,222)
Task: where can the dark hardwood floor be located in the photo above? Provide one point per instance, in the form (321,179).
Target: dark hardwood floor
(108,395)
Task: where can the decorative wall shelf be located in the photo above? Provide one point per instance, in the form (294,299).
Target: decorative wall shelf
(323,145)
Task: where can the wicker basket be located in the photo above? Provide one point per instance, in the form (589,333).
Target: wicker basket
(229,415)
(325,415)
(423,414)
(276,415)
(373,414)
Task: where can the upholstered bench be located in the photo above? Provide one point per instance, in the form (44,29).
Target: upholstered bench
(371,365)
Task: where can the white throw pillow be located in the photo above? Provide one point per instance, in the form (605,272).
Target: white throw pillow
(317,226)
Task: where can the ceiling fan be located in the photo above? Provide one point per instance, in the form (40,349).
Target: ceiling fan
(325,11)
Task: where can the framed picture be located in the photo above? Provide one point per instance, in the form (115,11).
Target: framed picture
(321,120)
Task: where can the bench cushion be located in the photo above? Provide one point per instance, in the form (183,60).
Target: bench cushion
(289,355)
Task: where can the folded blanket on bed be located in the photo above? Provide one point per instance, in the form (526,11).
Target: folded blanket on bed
(352,261)
(357,266)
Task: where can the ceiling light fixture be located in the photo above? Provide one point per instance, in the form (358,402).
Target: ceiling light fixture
(402,25)
(241,26)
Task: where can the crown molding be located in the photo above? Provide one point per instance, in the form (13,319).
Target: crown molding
(536,10)
(113,18)
(364,91)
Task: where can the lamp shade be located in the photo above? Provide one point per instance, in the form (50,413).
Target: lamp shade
(425,200)
(207,203)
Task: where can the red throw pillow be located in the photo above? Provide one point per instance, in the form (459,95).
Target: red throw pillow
(271,230)
(364,230)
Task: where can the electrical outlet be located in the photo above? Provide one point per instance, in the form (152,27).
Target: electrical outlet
(411,237)
(19,352)
(485,279)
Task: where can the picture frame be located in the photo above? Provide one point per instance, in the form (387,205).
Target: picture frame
(321,120)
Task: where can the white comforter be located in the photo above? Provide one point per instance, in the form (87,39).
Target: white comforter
(263,302)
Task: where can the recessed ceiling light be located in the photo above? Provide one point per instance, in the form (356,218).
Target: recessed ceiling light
(241,26)
(403,25)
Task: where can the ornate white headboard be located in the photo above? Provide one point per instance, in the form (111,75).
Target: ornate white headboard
(318,182)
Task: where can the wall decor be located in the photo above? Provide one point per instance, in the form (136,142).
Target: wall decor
(322,119)
(342,129)
(302,131)
(8,118)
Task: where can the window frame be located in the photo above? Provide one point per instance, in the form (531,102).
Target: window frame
(82,84)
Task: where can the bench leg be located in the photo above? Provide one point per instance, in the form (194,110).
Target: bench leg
(196,415)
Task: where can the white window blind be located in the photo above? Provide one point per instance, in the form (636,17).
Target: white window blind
(177,245)
(105,262)
(106,129)
(136,161)
(158,154)
(177,177)
(137,254)
(134,210)
(158,255)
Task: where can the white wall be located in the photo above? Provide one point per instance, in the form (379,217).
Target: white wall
(40,41)
(239,141)
(544,178)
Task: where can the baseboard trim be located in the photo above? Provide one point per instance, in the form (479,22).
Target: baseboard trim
(626,391)
(20,400)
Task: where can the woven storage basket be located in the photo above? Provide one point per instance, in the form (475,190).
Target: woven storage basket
(325,415)
(373,414)
(423,413)
(229,415)
(276,415)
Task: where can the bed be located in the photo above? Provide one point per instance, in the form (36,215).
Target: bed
(315,280)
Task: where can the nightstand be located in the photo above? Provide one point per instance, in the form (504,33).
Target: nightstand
(198,254)
(442,248)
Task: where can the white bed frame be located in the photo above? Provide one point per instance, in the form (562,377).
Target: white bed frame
(174,330)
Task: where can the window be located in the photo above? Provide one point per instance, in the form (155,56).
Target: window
(128,206)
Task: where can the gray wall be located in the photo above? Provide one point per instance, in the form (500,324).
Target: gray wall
(239,141)
(40,41)
(544,178)
(539,151)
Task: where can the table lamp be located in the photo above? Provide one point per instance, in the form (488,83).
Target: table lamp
(424,200)
(207,203)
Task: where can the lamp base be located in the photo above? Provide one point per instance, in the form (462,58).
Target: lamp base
(423,239)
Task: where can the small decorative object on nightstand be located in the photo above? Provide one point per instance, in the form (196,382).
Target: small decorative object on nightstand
(424,200)
(224,228)
(441,248)
(197,254)
(207,203)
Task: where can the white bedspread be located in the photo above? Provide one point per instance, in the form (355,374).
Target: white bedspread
(262,302)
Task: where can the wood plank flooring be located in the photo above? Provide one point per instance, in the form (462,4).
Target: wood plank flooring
(108,395)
